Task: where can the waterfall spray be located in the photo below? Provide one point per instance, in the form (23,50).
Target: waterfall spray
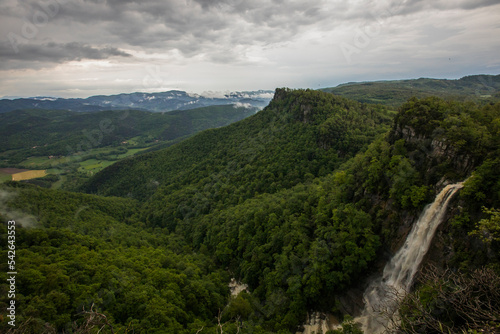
(399,272)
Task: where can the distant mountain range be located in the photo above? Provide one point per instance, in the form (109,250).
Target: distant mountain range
(157,102)
(393,93)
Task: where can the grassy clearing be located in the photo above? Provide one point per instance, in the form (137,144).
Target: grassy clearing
(110,153)
(34,162)
(58,184)
(43,162)
(54,171)
(5,177)
(134,140)
(94,165)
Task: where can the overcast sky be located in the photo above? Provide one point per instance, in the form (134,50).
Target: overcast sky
(78,48)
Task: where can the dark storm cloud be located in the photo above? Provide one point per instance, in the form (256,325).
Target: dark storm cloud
(54,53)
(203,25)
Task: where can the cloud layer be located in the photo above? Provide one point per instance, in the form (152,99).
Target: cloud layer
(240,44)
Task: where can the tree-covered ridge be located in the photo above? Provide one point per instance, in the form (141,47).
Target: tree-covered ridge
(155,102)
(27,133)
(393,93)
(301,134)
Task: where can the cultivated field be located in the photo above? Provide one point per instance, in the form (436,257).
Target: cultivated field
(28,175)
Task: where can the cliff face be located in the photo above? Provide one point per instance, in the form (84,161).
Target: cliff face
(432,143)
(434,150)
(319,322)
(302,108)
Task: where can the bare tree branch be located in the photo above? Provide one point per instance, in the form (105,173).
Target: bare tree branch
(450,302)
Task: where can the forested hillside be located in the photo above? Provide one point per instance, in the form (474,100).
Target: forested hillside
(393,93)
(301,201)
(27,133)
(299,248)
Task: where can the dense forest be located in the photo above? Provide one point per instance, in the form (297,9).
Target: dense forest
(301,201)
(78,253)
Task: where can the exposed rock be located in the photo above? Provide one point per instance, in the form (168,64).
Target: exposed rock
(408,133)
(236,287)
(319,322)
(306,109)
(435,150)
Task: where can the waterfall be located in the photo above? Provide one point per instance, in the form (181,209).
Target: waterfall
(399,272)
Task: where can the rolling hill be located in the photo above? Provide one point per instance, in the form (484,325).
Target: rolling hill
(477,88)
(72,146)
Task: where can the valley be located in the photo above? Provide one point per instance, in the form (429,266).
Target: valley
(72,146)
(146,220)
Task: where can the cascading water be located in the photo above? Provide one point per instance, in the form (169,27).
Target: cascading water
(399,272)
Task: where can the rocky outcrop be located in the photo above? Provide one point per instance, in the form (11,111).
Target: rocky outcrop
(306,110)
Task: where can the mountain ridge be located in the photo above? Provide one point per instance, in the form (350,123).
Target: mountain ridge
(156,102)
